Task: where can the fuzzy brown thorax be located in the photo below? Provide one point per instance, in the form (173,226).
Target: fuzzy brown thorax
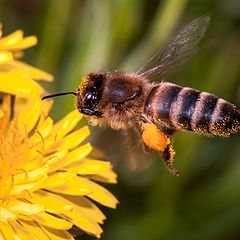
(116,97)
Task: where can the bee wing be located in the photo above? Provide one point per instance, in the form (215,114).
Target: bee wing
(179,48)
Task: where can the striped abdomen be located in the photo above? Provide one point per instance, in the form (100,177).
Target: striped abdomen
(185,108)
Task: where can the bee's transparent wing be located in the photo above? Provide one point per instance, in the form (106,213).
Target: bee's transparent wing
(179,48)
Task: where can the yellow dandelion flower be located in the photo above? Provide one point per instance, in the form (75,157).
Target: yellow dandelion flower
(16,73)
(48,184)
(47,181)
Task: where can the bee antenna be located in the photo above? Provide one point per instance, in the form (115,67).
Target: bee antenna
(59,94)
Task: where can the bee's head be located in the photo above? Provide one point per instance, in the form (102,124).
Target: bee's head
(89,94)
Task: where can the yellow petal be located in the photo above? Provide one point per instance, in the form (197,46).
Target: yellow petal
(5,57)
(31,71)
(67,124)
(56,160)
(6,230)
(25,208)
(57,235)
(58,178)
(17,84)
(18,189)
(46,107)
(68,210)
(72,186)
(51,221)
(20,232)
(31,176)
(74,139)
(87,208)
(53,202)
(35,229)
(11,39)
(23,44)
(27,114)
(6,214)
(60,129)
(83,223)
(106,177)
(100,194)
(43,130)
(90,167)
(75,157)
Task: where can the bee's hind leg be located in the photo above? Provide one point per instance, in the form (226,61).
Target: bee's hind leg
(168,158)
(154,139)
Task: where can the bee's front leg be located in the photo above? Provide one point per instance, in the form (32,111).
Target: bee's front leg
(154,139)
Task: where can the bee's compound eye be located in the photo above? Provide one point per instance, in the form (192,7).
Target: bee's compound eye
(89,96)
(90,99)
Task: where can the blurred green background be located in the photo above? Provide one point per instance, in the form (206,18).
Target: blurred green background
(77,36)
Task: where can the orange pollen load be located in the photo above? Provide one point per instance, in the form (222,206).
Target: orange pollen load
(154,138)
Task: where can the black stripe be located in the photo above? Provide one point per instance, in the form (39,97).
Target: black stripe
(225,110)
(229,117)
(147,108)
(190,98)
(205,114)
(165,99)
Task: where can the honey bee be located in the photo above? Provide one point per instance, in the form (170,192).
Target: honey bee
(157,111)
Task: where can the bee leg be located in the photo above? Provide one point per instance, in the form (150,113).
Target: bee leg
(168,158)
(154,139)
